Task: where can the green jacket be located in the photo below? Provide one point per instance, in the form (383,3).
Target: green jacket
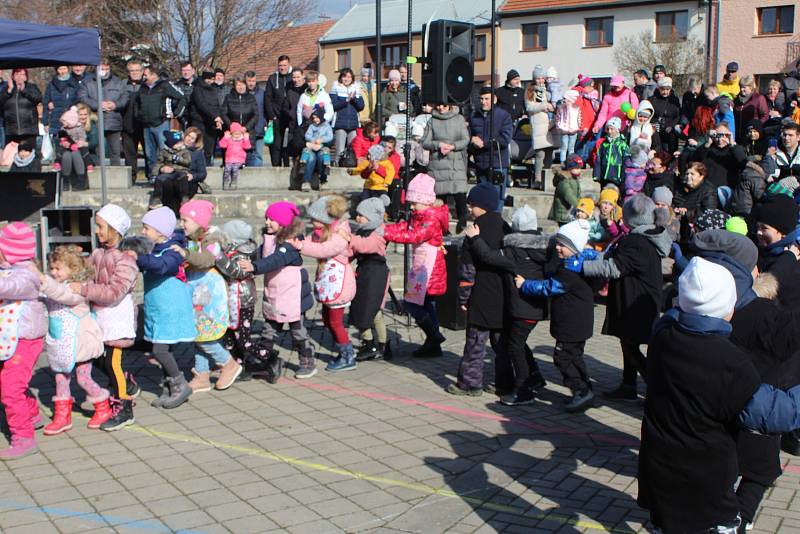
(608,166)
(568,191)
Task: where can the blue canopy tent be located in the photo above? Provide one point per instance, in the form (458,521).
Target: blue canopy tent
(25,44)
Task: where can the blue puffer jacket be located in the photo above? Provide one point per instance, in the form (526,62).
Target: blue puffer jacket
(63,94)
(346,112)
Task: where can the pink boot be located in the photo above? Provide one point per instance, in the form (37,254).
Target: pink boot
(20,447)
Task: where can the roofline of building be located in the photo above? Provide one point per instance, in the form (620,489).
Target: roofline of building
(324,41)
(584,7)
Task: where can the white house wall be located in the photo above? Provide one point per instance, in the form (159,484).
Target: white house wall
(566,37)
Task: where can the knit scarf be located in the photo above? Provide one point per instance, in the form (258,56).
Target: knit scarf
(777,248)
(693,323)
(20,162)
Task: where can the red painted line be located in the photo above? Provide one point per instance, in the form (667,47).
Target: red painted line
(613,440)
(791,469)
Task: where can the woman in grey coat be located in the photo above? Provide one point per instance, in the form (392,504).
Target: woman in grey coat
(447,138)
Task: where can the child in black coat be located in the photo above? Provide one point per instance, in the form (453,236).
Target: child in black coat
(572,308)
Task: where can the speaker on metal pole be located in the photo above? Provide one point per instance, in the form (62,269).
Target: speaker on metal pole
(448,71)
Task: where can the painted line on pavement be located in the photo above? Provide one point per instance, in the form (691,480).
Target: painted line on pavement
(149,525)
(624,441)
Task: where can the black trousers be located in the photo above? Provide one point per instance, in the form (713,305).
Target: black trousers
(460,200)
(238,342)
(210,136)
(568,357)
(633,361)
(277,154)
(514,367)
(130,149)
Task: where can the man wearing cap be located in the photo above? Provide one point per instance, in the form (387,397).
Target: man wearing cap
(495,171)
(666,115)
(612,103)
(730,82)
(644,87)
(511,97)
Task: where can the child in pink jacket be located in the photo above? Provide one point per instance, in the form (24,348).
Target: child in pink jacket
(74,339)
(287,291)
(235,143)
(22,337)
(335,285)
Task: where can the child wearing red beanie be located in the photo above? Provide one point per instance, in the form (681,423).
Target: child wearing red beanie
(22,336)
(209,296)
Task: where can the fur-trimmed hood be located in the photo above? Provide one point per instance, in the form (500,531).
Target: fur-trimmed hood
(527,240)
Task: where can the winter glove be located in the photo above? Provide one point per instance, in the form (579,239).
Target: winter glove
(73,147)
(575,263)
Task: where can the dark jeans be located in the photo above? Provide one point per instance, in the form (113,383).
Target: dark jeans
(514,366)
(470,371)
(419,312)
(568,357)
(113,147)
(130,149)
(633,361)
(277,154)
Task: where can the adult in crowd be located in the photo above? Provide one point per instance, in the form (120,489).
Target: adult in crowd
(206,113)
(538,106)
(413,88)
(494,170)
(180,188)
(393,96)
(589,104)
(693,98)
(666,115)
(75,164)
(151,111)
(19,104)
(659,71)
(693,195)
(784,161)
(296,133)
(612,103)
(633,265)
(792,81)
(643,86)
(511,97)
(730,81)
(748,106)
(776,102)
(60,94)
(185,85)
(447,138)
(220,85)
(132,130)
(347,103)
(369,93)
(723,158)
(79,73)
(255,157)
(115,100)
(240,106)
(275,110)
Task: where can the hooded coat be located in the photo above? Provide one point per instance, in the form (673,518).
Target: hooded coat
(485,304)
(645,134)
(449,171)
(633,265)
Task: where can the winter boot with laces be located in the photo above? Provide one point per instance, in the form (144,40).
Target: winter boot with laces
(62,417)
(102,413)
(123,415)
(308,366)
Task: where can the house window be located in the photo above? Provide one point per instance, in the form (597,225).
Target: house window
(672,26)
(480,48)
(343,59)
(393,57)
(534,36)
(772,20)
(600,31)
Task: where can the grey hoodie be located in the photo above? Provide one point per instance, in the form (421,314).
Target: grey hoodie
(606,268)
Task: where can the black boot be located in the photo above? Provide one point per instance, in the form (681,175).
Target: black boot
(81,183)
(258,365)
(433,340)
(367,351)
(123,415)
(385,350)
(274,366)
(790,443)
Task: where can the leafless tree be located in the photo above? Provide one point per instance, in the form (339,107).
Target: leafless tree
(681,57)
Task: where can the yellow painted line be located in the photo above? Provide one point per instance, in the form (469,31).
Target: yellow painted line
(421,488)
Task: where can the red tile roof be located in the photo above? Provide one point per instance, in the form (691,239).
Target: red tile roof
(259,52)
(511,6)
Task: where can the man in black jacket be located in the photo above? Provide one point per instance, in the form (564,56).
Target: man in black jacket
(295,134)
(206,113)
(132,130)
(151,111)
(275,110)
(494,172)
(511,97)
(666,115)
(186,84)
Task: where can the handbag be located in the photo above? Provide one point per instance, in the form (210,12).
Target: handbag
(348,158)
(269,133)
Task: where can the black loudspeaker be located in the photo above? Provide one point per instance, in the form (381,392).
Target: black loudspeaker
(448,71)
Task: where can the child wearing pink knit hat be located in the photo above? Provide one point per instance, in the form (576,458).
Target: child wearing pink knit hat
(21,336)
(210,297)
(287,291)
(235,143)
(427,277)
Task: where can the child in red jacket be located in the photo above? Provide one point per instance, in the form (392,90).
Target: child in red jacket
(427,277)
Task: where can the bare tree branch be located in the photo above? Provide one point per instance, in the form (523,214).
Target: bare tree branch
(682,57)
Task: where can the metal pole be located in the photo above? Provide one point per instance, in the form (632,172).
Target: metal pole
(407,147)
(491,106)
(100,123)
(378,65)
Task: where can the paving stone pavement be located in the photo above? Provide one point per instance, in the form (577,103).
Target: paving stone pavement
(380,449)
